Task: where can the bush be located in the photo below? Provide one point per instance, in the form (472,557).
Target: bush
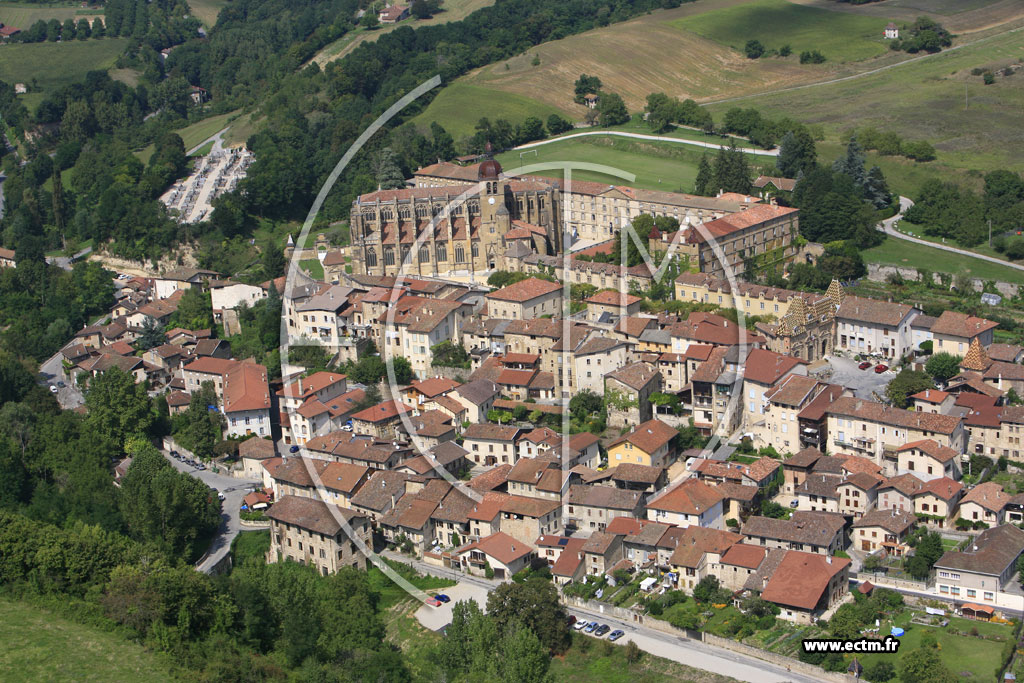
(880,672)
(754,49)
(633,652)
(988,78)
(811,57)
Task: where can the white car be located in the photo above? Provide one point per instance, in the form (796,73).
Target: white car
(54,389)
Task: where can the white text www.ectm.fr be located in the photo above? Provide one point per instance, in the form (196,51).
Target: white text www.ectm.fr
(888,644)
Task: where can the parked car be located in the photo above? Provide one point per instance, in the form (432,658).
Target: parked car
(433,602)
(580,624)
(794,503)
(221,496)
(293,449)
(61,385)
(865,365)
(571,620)
(54,389)
(880,368)
(602,629)
(615,635)
(176,454)
(441,597)
(591,627)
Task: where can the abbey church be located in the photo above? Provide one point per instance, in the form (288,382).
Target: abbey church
(465,224)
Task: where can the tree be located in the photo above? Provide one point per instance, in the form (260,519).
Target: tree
(386,169)
(796,152)
(370,20)
(612,110)
(118,407)
(707,590)
(852,163)
(152,334)
(198,428)
(753,49)
(633,652)
(522,658)
(533,604)
(195,311)
(923,665)
(586,85)
(731,171)
(705,177)
(880,672)
(420,9)
(846,622)
(906,384)
(531,129)
(558,125)
(942,366)
(442,146)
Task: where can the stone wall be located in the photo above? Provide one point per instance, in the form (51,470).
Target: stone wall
(881,273)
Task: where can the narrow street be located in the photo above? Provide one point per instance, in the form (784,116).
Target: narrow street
(234,490)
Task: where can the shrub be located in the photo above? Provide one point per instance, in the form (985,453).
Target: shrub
(988,78)
(811,57)
(753,49)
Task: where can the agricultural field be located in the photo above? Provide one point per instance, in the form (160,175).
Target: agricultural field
(959,16)
(841,37)
(657,166)
(41,646)
(54,65)
(453,10)
(23,15)
(935,98)
(460,105)
(206,11)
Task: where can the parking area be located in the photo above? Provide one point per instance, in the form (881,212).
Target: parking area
(436,618)
(864,383)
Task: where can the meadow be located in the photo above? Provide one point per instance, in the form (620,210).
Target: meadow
(54,65)
(194,134)
(460,105)
(206,11)
(897,252)
(841,37)
(23,15)
(42,646)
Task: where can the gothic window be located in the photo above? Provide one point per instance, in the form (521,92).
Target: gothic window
(460,254)
(389,256)
(474,207)
(519,203)
(424,254)
(404,251)
(421,211)
(442,253)
(476,250)
(404,213)
(368,216)
(386,213)
(371,258)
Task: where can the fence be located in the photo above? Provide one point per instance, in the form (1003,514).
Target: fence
(882,580)
(632,617)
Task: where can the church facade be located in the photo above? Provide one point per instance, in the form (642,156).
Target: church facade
(444,229)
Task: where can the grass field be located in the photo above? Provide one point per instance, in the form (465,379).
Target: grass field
(658,166)
(41,646)
(454,10)
(841,37)
(924,100)
(54,65)
(197,132)
(313,267)
(959,16)
(23,15)
(966,657)
(460,105)
(206,11)
(898,252)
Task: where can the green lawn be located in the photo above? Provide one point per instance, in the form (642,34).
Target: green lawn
(313,267)
(966,656)
(54,65)
(206,11)
(638,125)
(839,36)
(42,646)
(923,100)
(392,594)
(193,134)
(899,252)
(459,106)
(416,642)
(657,165)
(23,15)
(250,545)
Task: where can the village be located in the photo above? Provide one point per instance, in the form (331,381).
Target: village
(627,455)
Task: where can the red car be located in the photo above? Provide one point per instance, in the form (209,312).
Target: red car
(880,368)
(433,602)
(865,365)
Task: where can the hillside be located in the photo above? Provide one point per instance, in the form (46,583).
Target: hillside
(42,646)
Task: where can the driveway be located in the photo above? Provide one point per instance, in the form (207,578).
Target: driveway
(234,490)
(51,371)
(863,383)
(436,618)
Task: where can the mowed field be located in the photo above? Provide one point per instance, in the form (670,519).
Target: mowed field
(460,105)
(841,37)
(23,15)
(973,126)
(959,16)
(40,646)
(206,11)
(57,64)
(657,166)
(454,10)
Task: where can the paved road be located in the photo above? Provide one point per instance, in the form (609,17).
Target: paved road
(644,136)
(51,371)
(234,490)
(888,226)
(690,652)
(218,142)
(66,262)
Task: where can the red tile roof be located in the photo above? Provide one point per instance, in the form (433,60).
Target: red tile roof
(801,579)
(525,290)
(768,367)
(383,411)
